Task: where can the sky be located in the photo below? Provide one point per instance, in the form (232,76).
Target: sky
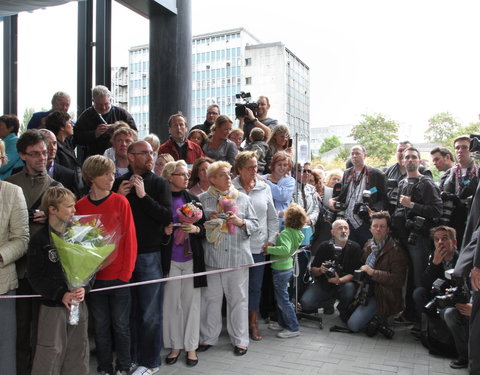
(407,60)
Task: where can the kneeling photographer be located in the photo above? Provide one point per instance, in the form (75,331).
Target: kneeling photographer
(333,268)
(443,298)
(381,277)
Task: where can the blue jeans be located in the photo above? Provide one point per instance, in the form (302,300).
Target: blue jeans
(317,295)
(146,321)
(458,325)
(255,279)
(360,235)
(286,314)
(362,315)
(110,311)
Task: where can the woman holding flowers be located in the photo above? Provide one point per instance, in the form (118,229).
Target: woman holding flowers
(261,196)
(231,221)
(181,306)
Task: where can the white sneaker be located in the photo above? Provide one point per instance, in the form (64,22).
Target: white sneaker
(274,326)
(286,334)
(142,370)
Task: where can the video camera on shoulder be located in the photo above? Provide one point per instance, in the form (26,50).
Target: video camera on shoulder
(241,108)
(448,292)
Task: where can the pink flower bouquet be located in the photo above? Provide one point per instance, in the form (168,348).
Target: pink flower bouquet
(189,213)
(229,204)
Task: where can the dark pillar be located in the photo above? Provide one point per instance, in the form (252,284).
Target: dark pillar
(170,65)
(103,44)
(10,71)
(84,55)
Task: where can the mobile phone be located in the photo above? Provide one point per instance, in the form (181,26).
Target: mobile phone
(177,225)
(222,215)
(290,142)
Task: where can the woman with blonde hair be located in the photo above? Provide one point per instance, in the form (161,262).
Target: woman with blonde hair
(333,177)
(231,220)
(181,306)
(279,140)
(160,163)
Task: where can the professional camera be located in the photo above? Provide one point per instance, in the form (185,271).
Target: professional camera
(340,207)
(240,108)
(447,293)
(475,145)
(450,201)
(377,324)
(361,297)
(415,225)
(392,185)
(333,266)
(361,208)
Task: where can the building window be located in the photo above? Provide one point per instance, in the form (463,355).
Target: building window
(248,61)
(248,80)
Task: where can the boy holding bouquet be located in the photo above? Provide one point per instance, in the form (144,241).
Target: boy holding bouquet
(61,348)
(110,309)
(287,243)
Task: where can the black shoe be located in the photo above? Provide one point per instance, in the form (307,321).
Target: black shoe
(203,347)
(239,351)
(172,360)
(459,363)
(328,310)
(191,362)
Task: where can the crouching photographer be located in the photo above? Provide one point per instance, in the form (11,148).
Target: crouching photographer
(444,300)
(382,277)
(332,269)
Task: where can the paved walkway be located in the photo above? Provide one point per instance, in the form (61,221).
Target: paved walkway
(318,351)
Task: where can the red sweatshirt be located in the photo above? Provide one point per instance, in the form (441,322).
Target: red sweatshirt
(115,210)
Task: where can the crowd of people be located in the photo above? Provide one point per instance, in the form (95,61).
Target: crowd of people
(377,241)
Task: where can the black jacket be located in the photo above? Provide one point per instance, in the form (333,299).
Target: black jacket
(375,179)
(44,269)
(151,213)
(434,271)
(196,245)
(351,259)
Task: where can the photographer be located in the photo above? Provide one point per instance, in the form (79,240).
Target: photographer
(460,185)
(333,268)
(385,268)
(419,205)
(363,190)
(262,120)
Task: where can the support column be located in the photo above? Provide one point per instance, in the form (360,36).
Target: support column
(170,87)
(10,69)
(103,43)
(84,55)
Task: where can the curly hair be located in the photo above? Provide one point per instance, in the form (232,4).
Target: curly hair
(295,216)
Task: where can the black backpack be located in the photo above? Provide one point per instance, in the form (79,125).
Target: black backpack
(436,337)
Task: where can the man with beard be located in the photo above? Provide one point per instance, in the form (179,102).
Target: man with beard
(150,199)
(262,120)
(327,287)
(93,123)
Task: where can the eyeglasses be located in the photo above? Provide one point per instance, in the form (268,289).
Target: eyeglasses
(144,153)
(185,175)
(36,154)
(304,171)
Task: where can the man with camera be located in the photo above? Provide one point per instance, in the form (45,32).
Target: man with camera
(434,288)
(332,269)
(381,277)
(262,121)
(443,160)
(363,190)
(213,111)
(460,186)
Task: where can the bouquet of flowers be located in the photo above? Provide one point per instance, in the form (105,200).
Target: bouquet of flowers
(189,213)
(83,249)
(229,204)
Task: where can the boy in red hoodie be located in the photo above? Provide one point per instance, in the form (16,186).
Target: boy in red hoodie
(110,310)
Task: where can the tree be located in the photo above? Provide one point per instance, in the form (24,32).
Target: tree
(441,127)
(329,143)
(378,135)
(27,115)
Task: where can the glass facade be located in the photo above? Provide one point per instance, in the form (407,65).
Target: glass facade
(138,93)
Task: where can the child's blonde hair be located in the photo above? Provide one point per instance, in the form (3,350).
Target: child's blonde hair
(54,196)
(295,216)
